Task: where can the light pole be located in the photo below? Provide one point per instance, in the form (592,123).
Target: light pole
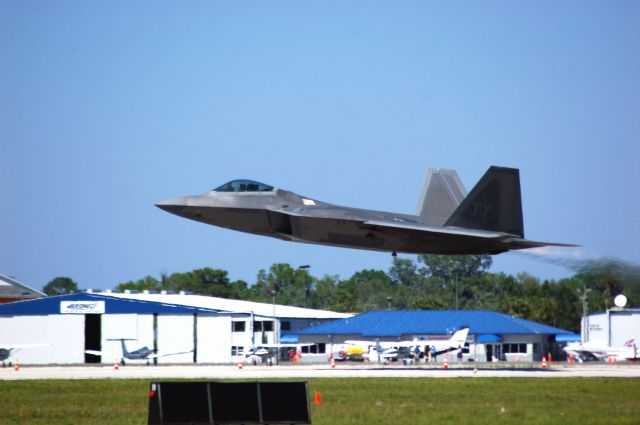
(306,288)
(583,294)
(275,334)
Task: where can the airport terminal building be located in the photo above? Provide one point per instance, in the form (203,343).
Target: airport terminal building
(203,329)
(492,336)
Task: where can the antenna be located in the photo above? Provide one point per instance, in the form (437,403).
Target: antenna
(620,301)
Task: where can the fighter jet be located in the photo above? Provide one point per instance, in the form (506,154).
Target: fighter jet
(486,221)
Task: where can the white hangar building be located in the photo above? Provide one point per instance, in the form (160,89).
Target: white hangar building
(204,329)
(614,327)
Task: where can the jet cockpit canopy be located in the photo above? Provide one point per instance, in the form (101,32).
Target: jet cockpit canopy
(244,186)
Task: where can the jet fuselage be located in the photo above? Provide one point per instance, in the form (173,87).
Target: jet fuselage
(487,221)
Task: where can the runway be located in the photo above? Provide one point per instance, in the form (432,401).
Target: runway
(214,372)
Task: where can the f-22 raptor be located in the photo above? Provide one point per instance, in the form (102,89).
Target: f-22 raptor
(486,221)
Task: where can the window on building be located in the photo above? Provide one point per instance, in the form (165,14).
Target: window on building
(237,350)
(285,325)
(266,326)
(314,349)
(514,348)
(238,326)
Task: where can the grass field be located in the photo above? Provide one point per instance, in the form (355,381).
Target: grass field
(354,401)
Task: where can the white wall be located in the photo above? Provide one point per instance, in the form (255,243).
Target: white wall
(64,333)
(135,327)
(624,326)
(214,339)
(175,334)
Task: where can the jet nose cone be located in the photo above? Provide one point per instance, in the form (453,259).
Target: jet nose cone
(174,205)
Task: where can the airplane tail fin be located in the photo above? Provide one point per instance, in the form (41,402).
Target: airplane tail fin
(124,348)
(459,338)
(494,204)
(441,194)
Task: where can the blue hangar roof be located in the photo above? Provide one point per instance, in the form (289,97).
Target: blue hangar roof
(86,303)
(430,322)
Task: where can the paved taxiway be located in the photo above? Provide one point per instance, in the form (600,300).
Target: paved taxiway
(313,371)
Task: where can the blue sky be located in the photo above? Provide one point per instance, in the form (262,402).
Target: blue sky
(109,107)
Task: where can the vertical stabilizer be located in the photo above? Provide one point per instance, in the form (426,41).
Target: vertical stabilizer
(441,194)
(125,352)
(494,204)
(459,338)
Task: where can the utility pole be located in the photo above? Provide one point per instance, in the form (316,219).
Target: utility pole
(583,293)
(307,289)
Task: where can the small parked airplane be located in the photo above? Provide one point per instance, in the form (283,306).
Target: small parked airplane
(265,353)
(144,353)
(6,350)
(601,351)
(386,350)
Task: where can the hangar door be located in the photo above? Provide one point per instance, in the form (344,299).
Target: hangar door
(92,336)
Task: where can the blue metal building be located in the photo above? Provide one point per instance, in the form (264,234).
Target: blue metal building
(492,335)
(201,329)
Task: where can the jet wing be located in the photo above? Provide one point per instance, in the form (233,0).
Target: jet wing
(507,240)
(155,356)
(401,224)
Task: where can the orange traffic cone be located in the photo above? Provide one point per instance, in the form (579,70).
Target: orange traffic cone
(116,366)
(544,362)
(333,363)
(570,358)
(17,366)
(317,397)
(446,362)
(240,365)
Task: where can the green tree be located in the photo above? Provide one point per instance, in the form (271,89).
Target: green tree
(290,286)
(60,286)
(146,283)
(453,271)
(324,295)
(374,290)
(206,281)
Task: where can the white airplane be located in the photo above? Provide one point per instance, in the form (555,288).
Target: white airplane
(386,350)
(7,349)
(601,351)
(265,353)
(144,353)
